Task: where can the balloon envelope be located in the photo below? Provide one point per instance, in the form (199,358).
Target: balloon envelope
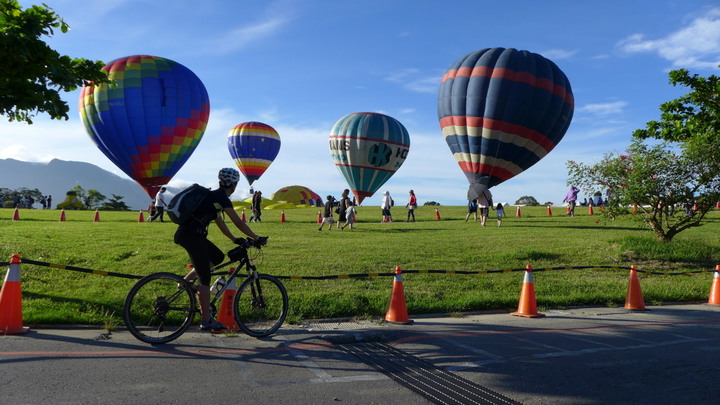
(150,121)
(367,149)
(297,195)
(253,146)
(501,111)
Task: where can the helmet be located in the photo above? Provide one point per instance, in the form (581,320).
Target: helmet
(228,177)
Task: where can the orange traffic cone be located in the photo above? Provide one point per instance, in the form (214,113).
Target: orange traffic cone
(517,212)
(16,215)
(397,310)
(527,307)
(11,322)
(717,205)
(141,217)
(590,210)
(242,217)
(282,216)
(225,314)
(62,215)
(437,214)
(97,216)
(715,289)
(319,220)
(634,298)
(549,211)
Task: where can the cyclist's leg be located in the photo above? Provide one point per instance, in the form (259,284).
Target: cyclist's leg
(202,254)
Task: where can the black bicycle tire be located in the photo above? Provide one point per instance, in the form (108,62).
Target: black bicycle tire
(132,326)
(243,292)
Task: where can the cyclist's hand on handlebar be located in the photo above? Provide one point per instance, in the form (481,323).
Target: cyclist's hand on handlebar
(260,241)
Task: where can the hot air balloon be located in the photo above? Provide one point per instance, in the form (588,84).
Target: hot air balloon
(253,146)
(150,121)
(501,111)
(368,148)
(297,195)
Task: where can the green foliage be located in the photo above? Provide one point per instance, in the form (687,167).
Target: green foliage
(675,181)
(31,73)
(118,243)
(114,204)
(527,200)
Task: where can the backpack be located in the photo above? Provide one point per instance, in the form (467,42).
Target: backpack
(183,204)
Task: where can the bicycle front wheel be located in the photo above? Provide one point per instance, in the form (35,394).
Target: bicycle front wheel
(260,305)
(159,308)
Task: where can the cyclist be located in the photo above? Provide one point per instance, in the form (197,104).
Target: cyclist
(204,255)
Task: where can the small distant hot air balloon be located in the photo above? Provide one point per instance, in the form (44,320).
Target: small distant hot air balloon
(501,111)
(150,121)
(253,146)
(368,148)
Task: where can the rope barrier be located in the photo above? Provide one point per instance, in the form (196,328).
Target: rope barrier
(80,269)
(371,275)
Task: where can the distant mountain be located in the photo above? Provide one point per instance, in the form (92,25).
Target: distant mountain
(57,177)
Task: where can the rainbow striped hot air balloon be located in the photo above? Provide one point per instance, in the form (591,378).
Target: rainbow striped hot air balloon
(150,121)
(253,146)
(368,148)
(501,111)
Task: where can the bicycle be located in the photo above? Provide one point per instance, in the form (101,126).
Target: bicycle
(161,306)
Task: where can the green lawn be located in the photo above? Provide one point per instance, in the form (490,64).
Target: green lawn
(118,243)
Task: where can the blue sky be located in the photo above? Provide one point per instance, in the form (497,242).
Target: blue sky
(299,66)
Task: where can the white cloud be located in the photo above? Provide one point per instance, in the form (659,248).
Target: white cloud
(695,46)
(602,109)
(557,54)
(411,79)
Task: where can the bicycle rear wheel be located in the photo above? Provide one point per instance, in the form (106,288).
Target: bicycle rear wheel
(159,308)
(260,305)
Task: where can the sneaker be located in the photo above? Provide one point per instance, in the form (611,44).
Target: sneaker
(212,325)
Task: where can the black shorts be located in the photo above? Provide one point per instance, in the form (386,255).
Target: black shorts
(203,253)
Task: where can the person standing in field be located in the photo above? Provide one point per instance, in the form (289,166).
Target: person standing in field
(256,207)
(411,206)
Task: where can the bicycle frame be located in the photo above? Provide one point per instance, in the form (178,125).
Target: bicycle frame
(251,270)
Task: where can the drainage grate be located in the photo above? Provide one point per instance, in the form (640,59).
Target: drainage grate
(436,385)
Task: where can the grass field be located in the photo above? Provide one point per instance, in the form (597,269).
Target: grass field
(118,243)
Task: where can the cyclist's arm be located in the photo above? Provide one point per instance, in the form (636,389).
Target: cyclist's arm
(242,226)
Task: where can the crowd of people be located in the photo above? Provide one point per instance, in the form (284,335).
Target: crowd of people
(28,201)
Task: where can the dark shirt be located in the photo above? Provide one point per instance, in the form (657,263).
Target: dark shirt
(207,211)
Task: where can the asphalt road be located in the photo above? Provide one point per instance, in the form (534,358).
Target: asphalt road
(666,355)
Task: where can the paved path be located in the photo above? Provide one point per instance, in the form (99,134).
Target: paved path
(666,355)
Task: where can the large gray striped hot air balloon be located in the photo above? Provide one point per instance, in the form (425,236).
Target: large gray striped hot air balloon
(501,111)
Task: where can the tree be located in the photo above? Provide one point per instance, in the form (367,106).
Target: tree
(114,204)
(31,73)
(675,180)
(95,198)
(527,200)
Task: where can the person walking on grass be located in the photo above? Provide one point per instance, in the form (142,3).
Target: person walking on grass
(328,214)
(484,203)
(350,216)
(411,206)
(192,236)
(571,200)
(159,206)
(472,208)
(387,203)
(499,211)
